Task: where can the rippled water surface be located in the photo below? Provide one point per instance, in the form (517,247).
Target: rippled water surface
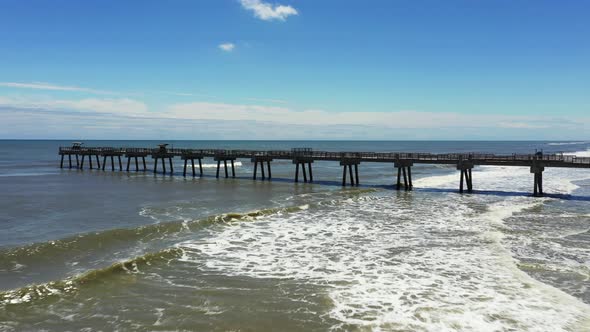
(100,250)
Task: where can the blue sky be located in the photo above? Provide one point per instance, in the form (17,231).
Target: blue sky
(295,69)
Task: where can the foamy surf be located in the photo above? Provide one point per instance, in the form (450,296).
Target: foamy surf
(410,273)
(497,260)
(387,264)
(221,165)
(567,143)
(585,153)
(509,179)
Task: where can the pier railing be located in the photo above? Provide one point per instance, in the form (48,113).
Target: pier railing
(477,158)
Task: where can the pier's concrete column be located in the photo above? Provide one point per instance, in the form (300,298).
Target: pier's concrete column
(261,160)
(135,157)
(303,161)
(404,167)
(163,156)
(349,163)
(466,168)
(192,157)
(537,169)
(111,156)
(225,159)
(84,156)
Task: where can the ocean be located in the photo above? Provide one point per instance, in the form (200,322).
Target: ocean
(93,250)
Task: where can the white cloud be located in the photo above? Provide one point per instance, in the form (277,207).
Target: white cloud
(227,47)
(49,86)
(268,12)
(123,106)
(267,100)
(392,120)
(30,116)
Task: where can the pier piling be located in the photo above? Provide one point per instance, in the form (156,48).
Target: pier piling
(303,163)
(404,168)
(261,160)
(162,158)
(466,168)
(111,154)
(537,170)
(348,165)
(225,157)
(135,155)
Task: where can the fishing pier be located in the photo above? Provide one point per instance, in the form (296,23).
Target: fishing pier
(303,158)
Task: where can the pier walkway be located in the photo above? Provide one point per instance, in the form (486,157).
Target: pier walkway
(304,158)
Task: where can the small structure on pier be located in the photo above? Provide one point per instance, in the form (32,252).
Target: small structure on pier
(72,150)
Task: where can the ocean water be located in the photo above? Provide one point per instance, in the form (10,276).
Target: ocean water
(99,250)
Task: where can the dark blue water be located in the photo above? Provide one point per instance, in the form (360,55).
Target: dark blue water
(313,256)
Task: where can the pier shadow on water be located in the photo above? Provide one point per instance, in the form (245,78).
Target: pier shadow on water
(568,197)
(392,187)
(499,193)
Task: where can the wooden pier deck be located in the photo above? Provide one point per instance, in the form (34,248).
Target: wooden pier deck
(305,157)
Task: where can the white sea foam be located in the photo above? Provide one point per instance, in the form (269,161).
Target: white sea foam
(567,143)
(509,179)
(159,314)
(424,264)
(236,164)
(585,153)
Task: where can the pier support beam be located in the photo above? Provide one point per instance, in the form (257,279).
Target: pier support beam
(303,162)
(163,158)
(466,168)
(225,159)
(192,158)
(134,156)
(89,155)
(537,170)
(261,160)
(112,157)
(404,168)
(354,177)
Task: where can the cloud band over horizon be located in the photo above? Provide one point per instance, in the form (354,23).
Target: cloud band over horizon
(127,113)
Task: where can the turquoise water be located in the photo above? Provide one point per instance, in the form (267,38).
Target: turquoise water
(136,251)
